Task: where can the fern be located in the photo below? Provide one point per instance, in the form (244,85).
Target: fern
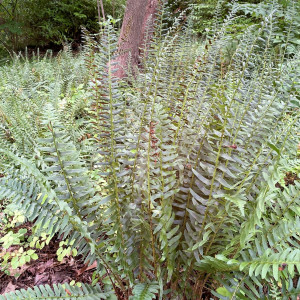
(144,292)
(64,291)
(173,189)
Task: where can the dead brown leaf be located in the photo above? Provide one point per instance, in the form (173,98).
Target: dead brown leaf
(43,266)
(18,271)
(61,277)
(86,268)
(41,279)
(9,288)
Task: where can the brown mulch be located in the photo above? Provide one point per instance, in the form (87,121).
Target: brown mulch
(289,179)
(47,270)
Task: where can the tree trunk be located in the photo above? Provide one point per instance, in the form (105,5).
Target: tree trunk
(135,33)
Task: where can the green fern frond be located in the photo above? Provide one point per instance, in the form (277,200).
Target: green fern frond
(242,287)
(217,264)
(60,291)
(284,235)
(270,262)
(144,291)
(66,171)
(290,288)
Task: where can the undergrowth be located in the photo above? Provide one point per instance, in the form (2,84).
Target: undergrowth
(173,180)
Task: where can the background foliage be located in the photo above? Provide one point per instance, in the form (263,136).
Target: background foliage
(51,23)
(39,23)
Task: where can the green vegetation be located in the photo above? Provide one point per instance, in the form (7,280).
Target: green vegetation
(181,181)
(46,22)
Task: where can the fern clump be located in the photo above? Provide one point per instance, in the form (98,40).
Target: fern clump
(190,151)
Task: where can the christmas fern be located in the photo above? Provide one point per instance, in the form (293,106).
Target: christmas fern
(193,155)
(65,291)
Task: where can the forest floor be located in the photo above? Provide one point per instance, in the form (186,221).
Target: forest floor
(45,270)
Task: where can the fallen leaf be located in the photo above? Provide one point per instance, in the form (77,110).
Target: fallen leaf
(68,261)
(9,288)
(60,277)
(19,270)
(86,268)
(42,267)
(41,279)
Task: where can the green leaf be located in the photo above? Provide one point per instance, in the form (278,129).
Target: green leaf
(223,292)
(273,147)
(34,256)
(30,252)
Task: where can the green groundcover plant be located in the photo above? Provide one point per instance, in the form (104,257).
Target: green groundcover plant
(173,181)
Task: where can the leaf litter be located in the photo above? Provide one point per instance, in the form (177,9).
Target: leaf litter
(45,270)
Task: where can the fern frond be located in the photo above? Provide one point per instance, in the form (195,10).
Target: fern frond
(243,287)
(270,262)
(144,291)
(60,291)
(114,146)
(67,171)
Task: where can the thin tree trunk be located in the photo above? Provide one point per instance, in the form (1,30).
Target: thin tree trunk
(99,14)
(102,8)
(135,33)
(100,4)
(113,8)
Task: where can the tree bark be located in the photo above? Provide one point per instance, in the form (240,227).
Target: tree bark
(136,31)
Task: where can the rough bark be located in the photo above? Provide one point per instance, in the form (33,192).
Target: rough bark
(135,32)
